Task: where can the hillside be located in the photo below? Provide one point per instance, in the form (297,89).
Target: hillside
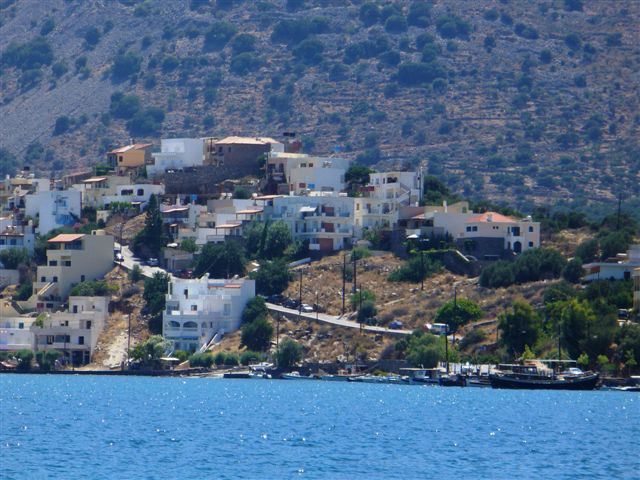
(510,100)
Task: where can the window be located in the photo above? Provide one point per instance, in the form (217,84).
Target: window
(75,309)
(194,308)
(88,324)
(303,165)
(12,241)
(80,340)
(55,279)
(82,277)
(140,192)
(531,229)
(311,165)
(186,293)
(531,244)
(66,263)
(474,228)
(21,325)
(120,159)
(468,229)
(53,263)
(43,279)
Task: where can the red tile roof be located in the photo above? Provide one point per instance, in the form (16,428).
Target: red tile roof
(493,217)
(66,238)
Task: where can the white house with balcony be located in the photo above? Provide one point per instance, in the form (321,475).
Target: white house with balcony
(327,221)
(298,173)
(137,194)
(74,332)
(16,235)
(14,328)
(54,208)
(175,154)
(199,309)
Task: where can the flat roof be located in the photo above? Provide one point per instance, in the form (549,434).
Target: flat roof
(135,146)
(246,140)
(66,238)
(94,180)
(175,209)
(249,211)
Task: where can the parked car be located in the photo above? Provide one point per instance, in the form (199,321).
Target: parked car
(306,308)
(276,299)
(290,303)
(153,262)
(396,325)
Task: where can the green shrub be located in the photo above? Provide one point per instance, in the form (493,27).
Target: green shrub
(219,358)
(24,358)
(47,27)
(525,31)
(413,73)
(243,42)
(62,125)
(396,24)
(309,51)
(473,337)
(59,69)
(219,35)
(33,54)
(201,360)
(124,106)
(257,334)
(415,269)
(289,353)
(245,63)
(231,360)
(47,359)
(92,36)
(249,357)
(451,26)
(30,78)
(369,13)
(125,65)
(146,122)
(292,31)
(419,14)
(92,289)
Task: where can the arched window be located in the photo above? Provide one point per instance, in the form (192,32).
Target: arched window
(190,325)
(174,324)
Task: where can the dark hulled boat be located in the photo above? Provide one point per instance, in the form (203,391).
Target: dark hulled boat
(535,376)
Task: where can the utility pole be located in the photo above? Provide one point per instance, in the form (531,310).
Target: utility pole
(300,297)
(619,210)
(355,272)
(344,279)
(129,339)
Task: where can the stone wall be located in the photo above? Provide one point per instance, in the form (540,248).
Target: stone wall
(204,180)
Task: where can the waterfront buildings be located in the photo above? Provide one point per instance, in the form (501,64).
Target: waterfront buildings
(198,309)
(636,291)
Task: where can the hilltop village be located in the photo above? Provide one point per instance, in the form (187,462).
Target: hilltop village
(212,243)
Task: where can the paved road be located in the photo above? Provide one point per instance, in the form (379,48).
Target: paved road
(130,260)
(337,321)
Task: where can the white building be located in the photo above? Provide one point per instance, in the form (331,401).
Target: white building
(636,291)
(135,194)
(177,153)
(71,259)
(298,174)
(516,235)
(14,329)
(75,332)
(198,309)
(620,267)
(16,236)
(326,221)
(54,208)
(402,187)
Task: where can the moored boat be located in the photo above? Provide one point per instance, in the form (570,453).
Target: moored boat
(535,376)
(297,376)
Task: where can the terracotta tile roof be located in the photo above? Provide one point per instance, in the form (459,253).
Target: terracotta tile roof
(493,217)
(66,238)
(135,146)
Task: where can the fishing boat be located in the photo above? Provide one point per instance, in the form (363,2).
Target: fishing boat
(432,376)
(533,374)
(393,379)
(297,376)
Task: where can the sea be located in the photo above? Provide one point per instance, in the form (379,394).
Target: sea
(96,427)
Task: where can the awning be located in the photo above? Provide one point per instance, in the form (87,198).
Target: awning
(308,209)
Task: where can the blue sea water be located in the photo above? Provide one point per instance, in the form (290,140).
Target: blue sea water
(93,427)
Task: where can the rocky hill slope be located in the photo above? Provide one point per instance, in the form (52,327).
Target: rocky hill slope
(516,101)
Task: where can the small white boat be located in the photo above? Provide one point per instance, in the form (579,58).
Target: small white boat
(297,376)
